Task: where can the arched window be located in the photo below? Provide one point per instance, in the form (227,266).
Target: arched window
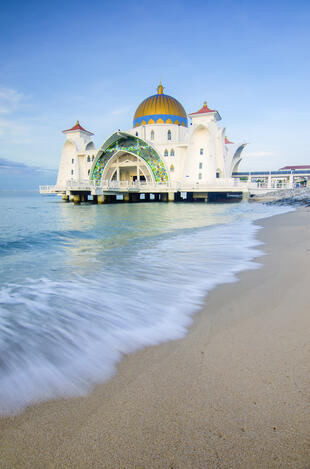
(169,134)
(88,172)
(88,159)
(200,165)
(152,135)
(72,172)
(72,160)
(201,151)
(137,134)
(172,152)
(166,153)
(171,168)
(199,176)
(93,157)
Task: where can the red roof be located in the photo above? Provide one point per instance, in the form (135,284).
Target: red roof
(227,141)
(203,110)
(77,126)
(307,166)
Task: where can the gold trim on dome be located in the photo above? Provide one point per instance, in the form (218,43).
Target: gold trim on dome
(159,121)
(169,121)
(151,121)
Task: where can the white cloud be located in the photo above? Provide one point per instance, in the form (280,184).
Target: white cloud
(10,100)
(12,131)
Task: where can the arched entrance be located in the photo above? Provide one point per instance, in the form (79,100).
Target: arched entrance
(128,167)
(124,157)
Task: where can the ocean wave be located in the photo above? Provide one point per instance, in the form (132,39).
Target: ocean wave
(60,338)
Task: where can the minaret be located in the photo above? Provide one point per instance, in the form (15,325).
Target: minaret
(78,134)
(73,164)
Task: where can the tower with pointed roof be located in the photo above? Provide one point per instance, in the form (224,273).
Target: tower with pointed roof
(77,155)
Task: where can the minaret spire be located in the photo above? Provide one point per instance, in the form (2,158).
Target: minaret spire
(160,88)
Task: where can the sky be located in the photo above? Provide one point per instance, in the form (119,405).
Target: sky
(96,61)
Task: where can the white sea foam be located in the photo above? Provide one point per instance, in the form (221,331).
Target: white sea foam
(60,338)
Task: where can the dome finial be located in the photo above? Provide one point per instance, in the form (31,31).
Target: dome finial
(205,104)
(77,123)
(160,88)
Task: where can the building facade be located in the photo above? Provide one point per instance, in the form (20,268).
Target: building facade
(162,151)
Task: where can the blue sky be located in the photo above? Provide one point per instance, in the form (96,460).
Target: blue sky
(97,61)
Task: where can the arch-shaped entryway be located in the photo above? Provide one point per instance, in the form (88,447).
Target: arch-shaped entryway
(126,166)
(122,147)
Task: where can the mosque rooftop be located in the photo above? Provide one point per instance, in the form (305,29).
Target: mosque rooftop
(306,166)
(203,110)
(227,141)
(77,126)
(206,110)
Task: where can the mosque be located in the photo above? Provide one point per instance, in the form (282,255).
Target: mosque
(162,157)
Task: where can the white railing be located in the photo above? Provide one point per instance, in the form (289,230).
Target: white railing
(219,183)
(133,185)
(124,186)
(82,185)
(49,189)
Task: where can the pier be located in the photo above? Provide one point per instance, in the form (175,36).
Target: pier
(139,191)
(243,184)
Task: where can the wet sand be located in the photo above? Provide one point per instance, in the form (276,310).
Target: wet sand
(235,393)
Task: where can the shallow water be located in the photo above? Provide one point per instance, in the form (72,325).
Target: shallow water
(82,285)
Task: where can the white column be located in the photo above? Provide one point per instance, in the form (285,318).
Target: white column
(269,181)
(291,181)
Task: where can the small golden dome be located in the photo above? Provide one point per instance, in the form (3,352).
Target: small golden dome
(160,109)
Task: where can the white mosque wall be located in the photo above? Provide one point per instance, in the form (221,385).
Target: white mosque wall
(201,162)
(158,133)
(68,163)
(220,153)
(77,156)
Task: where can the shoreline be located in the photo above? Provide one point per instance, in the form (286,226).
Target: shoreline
(232,394)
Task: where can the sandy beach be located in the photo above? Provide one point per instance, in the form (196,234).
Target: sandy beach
(233,394)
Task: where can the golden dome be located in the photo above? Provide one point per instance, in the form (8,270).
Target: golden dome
(160,109)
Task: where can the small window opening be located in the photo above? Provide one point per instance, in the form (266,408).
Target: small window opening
(171,168)
(152,135)
(72,172)
(166,153)
(72,160)
(172,152)
(201,151)
(200,165)
(199,176)
(137,135)
(88,159)
(169,134)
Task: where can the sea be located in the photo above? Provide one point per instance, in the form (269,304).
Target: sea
(82,285)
